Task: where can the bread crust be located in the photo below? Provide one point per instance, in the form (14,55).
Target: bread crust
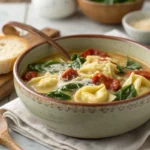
(6,65)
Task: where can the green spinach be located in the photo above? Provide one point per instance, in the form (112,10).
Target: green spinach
(130,65)
(120,68)
(77,61)
(126,93)
(49,66)
(71,86)
(59,95)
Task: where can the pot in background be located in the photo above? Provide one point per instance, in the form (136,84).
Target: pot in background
(54,9)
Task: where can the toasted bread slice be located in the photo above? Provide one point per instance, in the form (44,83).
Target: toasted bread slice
(11,47)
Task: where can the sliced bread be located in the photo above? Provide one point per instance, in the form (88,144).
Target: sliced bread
(11,47)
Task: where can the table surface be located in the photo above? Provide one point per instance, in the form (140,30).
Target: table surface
(76,24)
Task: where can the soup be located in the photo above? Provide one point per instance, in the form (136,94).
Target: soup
(92,76)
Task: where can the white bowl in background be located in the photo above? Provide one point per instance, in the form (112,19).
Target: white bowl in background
(142,36)
(54,9)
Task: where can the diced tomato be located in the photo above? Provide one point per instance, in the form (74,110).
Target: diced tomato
(111,84)
(69,74)
(93,52)
(143,73)
(29,75)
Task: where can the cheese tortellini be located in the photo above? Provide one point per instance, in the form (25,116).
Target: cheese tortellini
(91,76)
(106,67)
(93,94)
(141,84)
(44,84)
(92,59)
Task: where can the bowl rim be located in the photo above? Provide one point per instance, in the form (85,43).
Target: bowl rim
(124,21)
(110,5)
(50,100)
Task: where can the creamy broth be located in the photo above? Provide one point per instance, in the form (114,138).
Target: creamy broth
(89,78)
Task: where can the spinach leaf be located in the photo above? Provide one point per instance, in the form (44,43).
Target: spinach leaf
(49,66)
(35,67)
(51,62)
(120,68)
(71,86)
(132,65)
(77,61)
(59,95)
(74,57)
(126,93)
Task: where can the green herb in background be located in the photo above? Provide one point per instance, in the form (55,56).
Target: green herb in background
(126,93)
(112,1)
(77,61)
(59,95)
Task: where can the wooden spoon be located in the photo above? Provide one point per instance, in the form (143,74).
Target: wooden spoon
(5,138)
(40,34)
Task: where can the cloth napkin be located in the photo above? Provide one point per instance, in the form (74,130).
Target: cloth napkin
(21,121)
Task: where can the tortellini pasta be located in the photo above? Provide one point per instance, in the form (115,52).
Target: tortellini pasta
(93,94)
(92,59)
(141,84)
(107,68)
(44,84)
(91,76)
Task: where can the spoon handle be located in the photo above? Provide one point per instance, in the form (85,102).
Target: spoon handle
(40,34)
(7,141)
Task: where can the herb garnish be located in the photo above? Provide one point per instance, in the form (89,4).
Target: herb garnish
(71,86)
(126,93)
(49,66)
(58,95)
(130,65)
(77,61)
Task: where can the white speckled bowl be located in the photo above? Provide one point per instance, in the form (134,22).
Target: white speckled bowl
(79,119)
(142,36)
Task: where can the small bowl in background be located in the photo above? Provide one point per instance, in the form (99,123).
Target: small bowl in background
(142,36)
(108,13)
(54,9)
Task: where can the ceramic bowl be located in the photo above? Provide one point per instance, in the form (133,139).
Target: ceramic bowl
(54,9)
(142,36)
(85,120)
(108,13)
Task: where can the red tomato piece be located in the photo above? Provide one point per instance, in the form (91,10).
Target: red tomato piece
(29,75)
(69,74)
(111,84)
(143,73)
(93,52)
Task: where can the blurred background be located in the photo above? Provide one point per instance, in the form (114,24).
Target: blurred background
(15,0)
